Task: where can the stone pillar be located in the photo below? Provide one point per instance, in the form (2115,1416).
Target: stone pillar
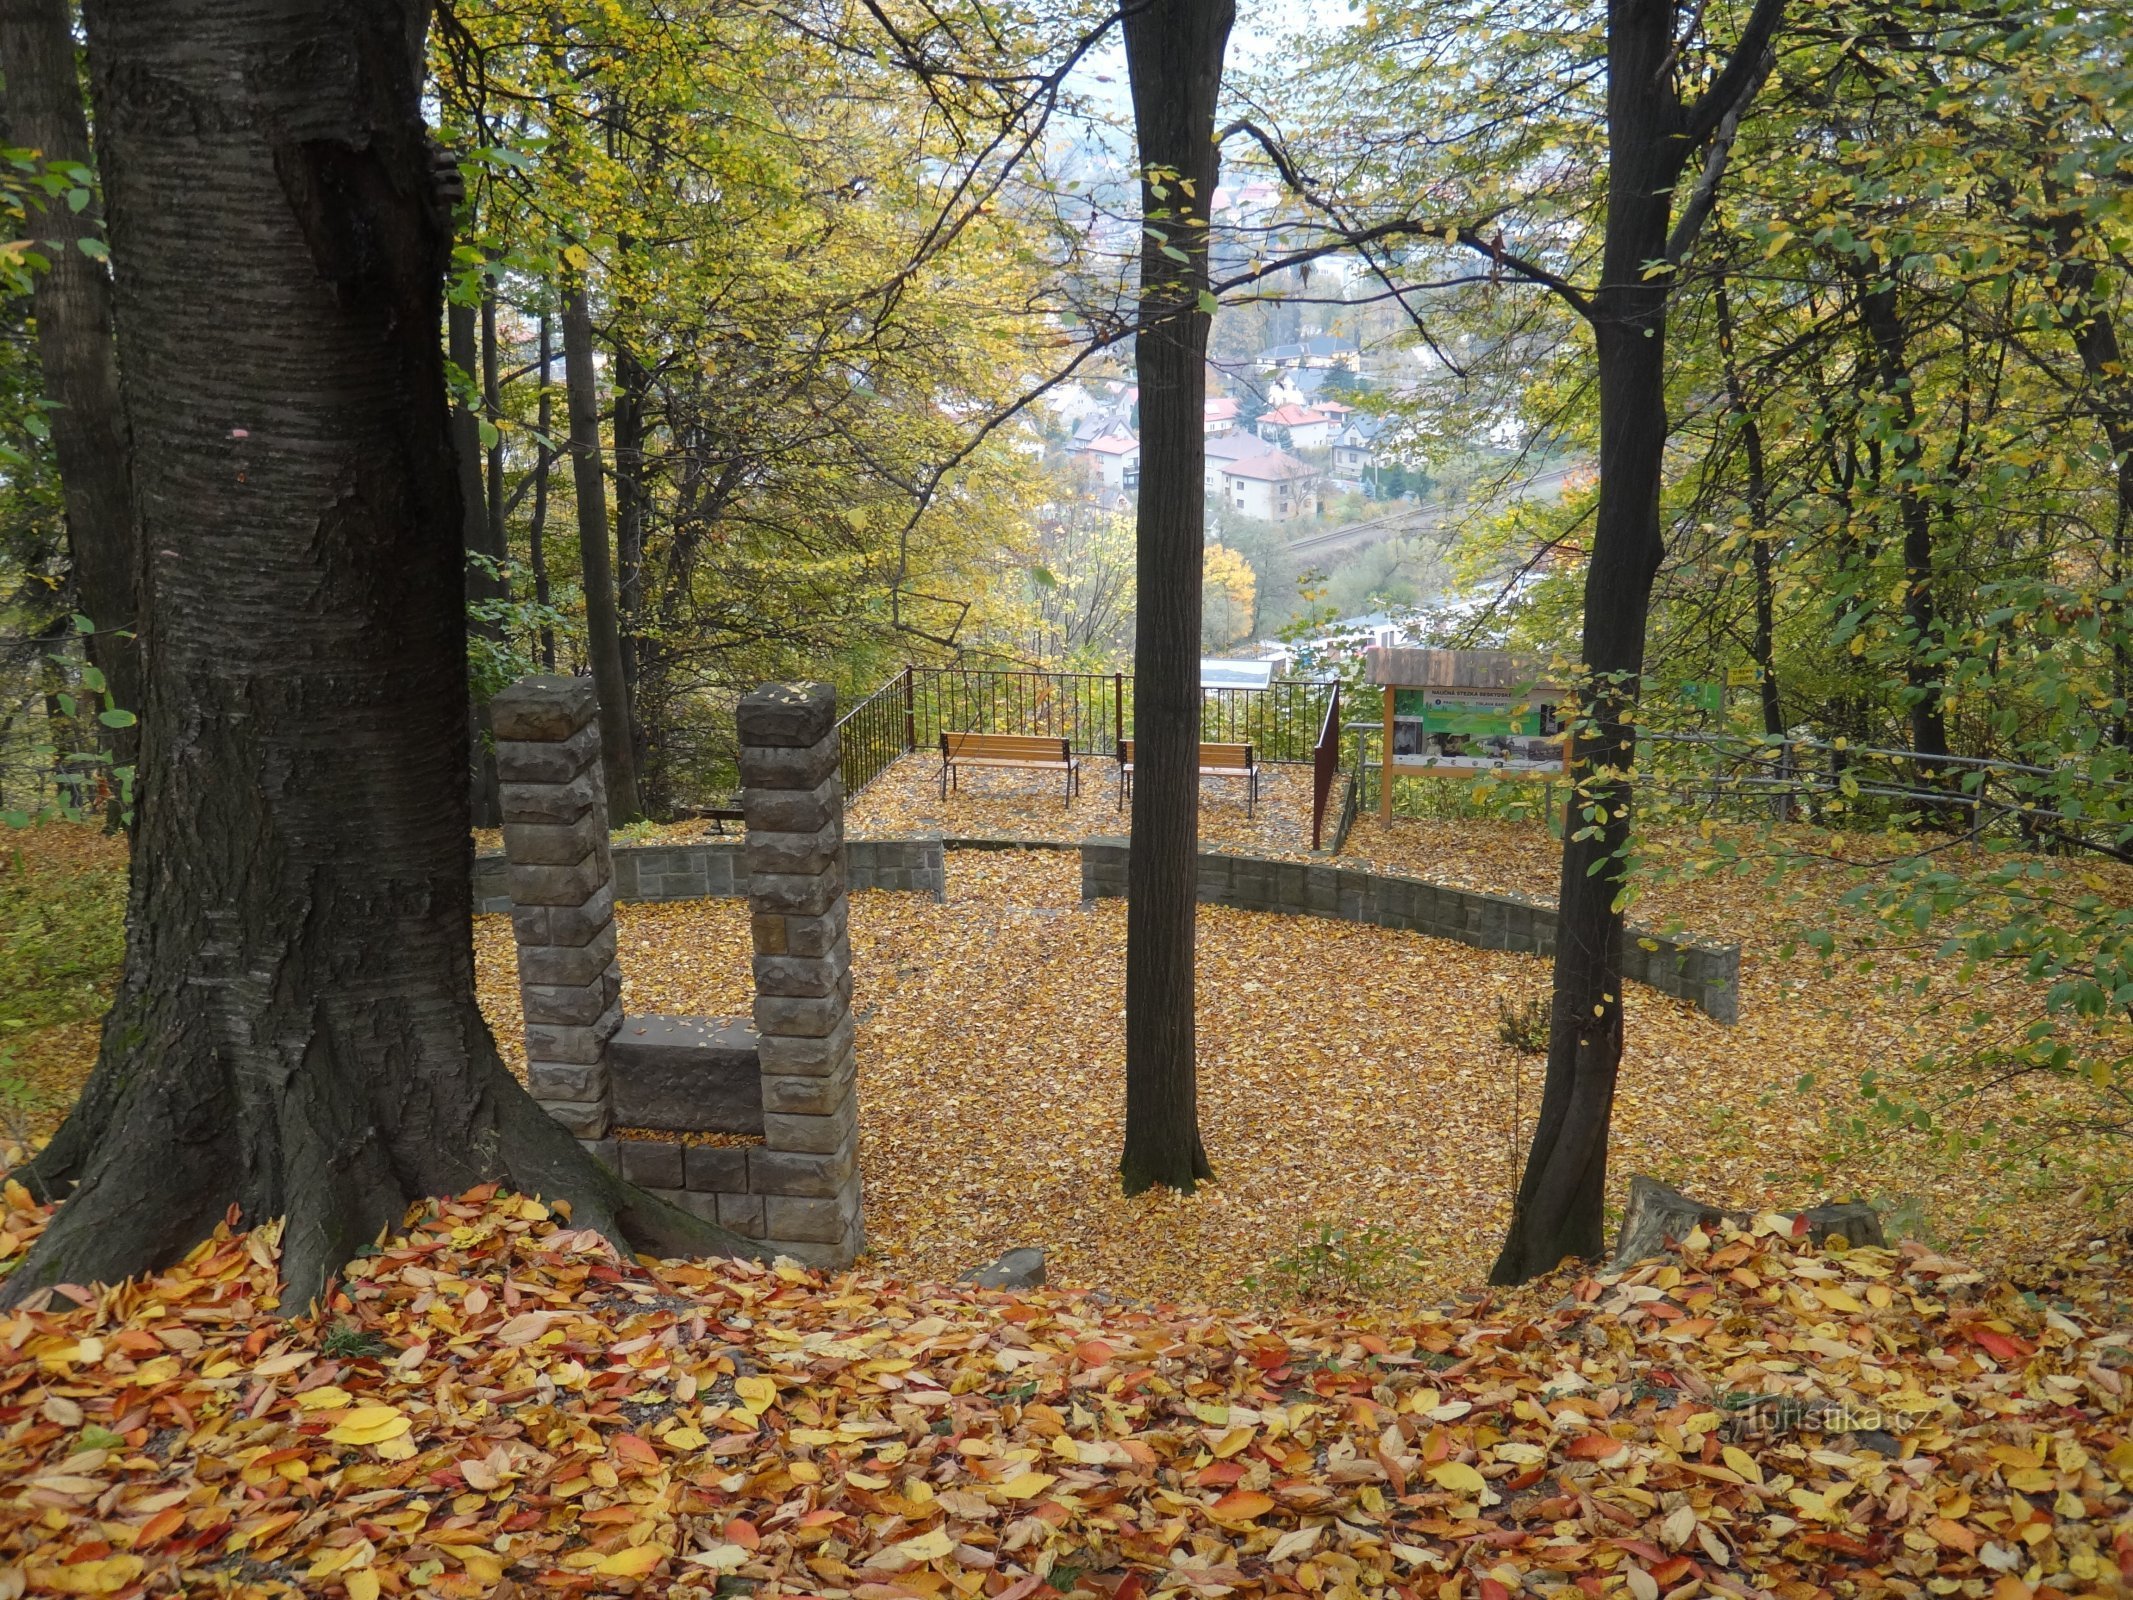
(562,895)
(806,1172)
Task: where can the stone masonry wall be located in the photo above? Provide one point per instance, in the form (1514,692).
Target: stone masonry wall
(1704,973)
(783,1081)
(717,869)
(562,899)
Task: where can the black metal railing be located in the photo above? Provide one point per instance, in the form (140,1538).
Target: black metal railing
(875,732)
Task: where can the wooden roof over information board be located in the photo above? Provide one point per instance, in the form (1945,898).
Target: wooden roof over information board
(1398,667)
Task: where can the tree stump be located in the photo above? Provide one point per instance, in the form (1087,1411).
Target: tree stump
(1658,1214)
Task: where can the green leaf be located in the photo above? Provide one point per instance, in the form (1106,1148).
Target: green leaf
(95,249)
(82,624)
(117,717)
(92,679)
(1176,254)
(1208,303)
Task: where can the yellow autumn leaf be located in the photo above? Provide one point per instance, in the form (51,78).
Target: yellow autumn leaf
(363,1585)
(631,1563)
(926,1547)
(684,1438)
(107,1576)
(719,1558)
(1742,1462)
(1458,1477)
(327,1397)
(1836,1299)
(369,1425)
(757,1393)
(1027,1485)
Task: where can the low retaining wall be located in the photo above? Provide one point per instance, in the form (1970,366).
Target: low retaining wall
(1704,973)
(717,869)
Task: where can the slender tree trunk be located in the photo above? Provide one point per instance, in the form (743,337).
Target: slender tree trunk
(295,1032)
(603,634)
(537,522)
(77,354)
(498,543)
(632,400)
(1762,646)
(1558,1210)
(1174,51)
(484,579)
(1922,676)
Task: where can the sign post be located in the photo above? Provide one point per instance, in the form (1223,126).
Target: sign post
(1466,714)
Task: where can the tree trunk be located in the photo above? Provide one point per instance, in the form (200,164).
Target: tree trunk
(632,400)
(1557,1212)
(603,634)
(1762,645)
(537,521)
(77,354)
(1174,51)
(1922,676)
(497,543)
(295,1032)
(484,579)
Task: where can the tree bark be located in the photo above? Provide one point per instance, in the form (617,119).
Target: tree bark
(1922,676)
(1174,51)
(1558,1208)
(1763,642)
(537,520)
(633,386)
(77,354)
(484,578)
(603,633)
(295,1032)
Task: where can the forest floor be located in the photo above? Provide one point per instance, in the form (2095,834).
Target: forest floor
(1363,1113)
(497,1405)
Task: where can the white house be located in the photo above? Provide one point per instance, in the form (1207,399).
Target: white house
(1229,447)
(1355,447)
(1116,458)
(1274,487)
(1220,416)
(1298,427)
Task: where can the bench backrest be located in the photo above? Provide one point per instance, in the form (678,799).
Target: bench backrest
(1213,757)
(1004,746)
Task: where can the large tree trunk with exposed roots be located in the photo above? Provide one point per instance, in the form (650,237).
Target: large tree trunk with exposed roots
(1174,51)
(295,1033)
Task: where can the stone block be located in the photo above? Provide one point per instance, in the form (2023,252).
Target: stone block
(803,976)
(1018,1269)
(796,894)
(777,934)
(567,964)
(808,1096)
(803,1056)
(565,1043)
(808,1018)
(601,1150)
(571,885)
(567,924)
(652,1163)
(628,879)
(798,853)
(566,1080)
(794,810)
(697,1205)
(716,1168)
(741,1213)
(777,767)
(785,1130)
(686,1074)
(558,844)
(544,707)
(786,714)
(577,1005)
(809,1219)
(553,802)
(586,1119)
(822,1257)
(521,761)
(802,1172)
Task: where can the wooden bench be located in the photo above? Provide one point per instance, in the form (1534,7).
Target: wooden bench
(1040,752)
(1216,761)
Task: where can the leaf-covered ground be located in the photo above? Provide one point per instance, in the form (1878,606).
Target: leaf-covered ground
(497,1405)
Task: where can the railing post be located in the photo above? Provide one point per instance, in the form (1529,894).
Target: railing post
(1118,712)
(910,714)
